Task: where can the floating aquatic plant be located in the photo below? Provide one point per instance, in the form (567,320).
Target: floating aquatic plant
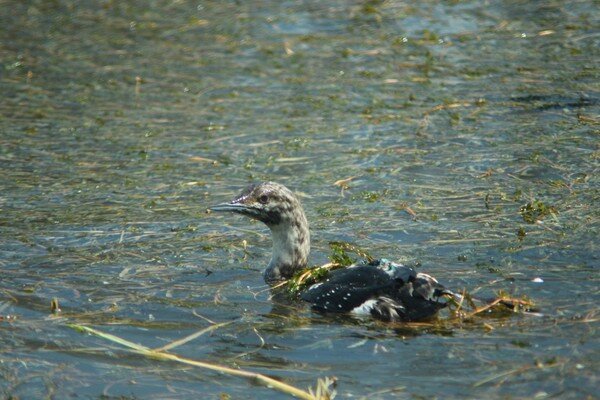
(339,258)
(308,276)
(536,210)
(340,250)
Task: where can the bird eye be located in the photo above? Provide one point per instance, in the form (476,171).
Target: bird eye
(264,199)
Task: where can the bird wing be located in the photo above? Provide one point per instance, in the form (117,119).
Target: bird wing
(347,288)
(386,292)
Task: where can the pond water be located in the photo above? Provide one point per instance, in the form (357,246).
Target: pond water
(122,122)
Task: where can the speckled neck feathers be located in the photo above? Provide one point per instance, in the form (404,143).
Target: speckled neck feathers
(291,245)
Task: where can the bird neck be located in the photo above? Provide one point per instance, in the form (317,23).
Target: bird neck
(291,247)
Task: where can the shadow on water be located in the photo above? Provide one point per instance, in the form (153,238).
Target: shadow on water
(462,136)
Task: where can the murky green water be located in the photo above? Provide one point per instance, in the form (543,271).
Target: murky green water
(121,122)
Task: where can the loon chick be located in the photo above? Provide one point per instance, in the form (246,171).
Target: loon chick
(382,289)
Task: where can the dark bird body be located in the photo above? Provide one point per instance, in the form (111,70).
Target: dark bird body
(382,289)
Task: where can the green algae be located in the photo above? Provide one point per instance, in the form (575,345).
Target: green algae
(340,253)
(340,257)
(536,210)
(307,277)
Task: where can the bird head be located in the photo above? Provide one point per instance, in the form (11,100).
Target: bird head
(268,202)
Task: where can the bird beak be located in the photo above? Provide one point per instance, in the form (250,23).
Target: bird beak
(231,207)
(238,208)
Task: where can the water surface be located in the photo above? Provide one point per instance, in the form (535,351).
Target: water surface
(121,122)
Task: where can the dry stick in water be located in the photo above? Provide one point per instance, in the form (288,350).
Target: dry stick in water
(160,355)
(193,336)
